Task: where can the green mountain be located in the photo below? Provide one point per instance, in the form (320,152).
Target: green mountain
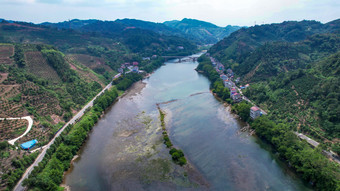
(49,73)
(203,32)
(71,24)
(292,69)
(104,36)
(159,28)
(274,58)
(141,40)
(231,49)
(197,31)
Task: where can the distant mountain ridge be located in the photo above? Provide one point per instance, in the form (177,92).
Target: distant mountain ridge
(204,32)
(79,34)
(200,32)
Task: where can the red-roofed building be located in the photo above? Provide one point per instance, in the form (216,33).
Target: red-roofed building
(135,63)
(236,97)
(233,90)
(255,112)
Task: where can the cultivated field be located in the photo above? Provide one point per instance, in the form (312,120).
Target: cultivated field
(38,66)
(91,61)
(6,51)
(10,129)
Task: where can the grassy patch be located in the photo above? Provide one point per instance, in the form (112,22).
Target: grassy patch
(177,155)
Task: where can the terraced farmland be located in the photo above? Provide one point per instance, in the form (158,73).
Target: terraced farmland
(38,66)
(10,129)
(6,51)
(91,61)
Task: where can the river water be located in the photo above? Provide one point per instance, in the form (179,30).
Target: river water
(125,151)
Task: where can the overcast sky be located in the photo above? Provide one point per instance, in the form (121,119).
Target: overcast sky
(219,12)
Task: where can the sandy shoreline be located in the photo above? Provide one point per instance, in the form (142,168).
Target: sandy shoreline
(134,89)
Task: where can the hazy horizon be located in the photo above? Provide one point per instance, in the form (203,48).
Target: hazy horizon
(218,12)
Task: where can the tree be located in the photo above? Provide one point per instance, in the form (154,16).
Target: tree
(242,109)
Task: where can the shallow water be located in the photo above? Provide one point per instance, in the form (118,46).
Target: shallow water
(125,150)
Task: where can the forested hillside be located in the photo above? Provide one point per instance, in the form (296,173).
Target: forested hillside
(202,32)
(49,73)
(274,58)
(232,49)
(307,98)
(41,82)
(106,35)
(293,72)
(196,31)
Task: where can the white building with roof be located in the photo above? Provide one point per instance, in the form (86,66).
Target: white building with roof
(255,112)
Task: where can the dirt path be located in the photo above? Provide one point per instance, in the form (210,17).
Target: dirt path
(30,124)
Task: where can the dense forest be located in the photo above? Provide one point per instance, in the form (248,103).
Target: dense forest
(106,35)
(201,31)
(307,98)
(232,49)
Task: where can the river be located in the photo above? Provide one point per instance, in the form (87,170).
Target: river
(125,151)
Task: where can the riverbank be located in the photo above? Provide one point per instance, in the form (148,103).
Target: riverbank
(125,150)
(191,172)
(308,163)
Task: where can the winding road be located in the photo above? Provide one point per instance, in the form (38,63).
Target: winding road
(30,124)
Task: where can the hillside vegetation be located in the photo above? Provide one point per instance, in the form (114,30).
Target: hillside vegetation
(292,68)
(101,35)
(201,31)
(233,48)
(293,72)
(49,73)
(309,163)
(37,80)
(195,30)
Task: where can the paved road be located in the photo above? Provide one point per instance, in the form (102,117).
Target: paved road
(30,124)
(19,186)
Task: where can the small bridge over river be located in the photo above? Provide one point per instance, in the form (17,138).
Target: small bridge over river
(180,58)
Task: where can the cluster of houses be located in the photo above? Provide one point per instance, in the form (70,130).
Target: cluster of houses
(128,67)
(149,58)
(227,76)
(217,65)
(228,80)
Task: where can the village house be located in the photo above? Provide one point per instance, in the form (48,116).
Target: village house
(236,97)
(237,80)
(135,69)
(120,70)
(223,77)
(255,112)
(232,91)
(228,84)
(135,63)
